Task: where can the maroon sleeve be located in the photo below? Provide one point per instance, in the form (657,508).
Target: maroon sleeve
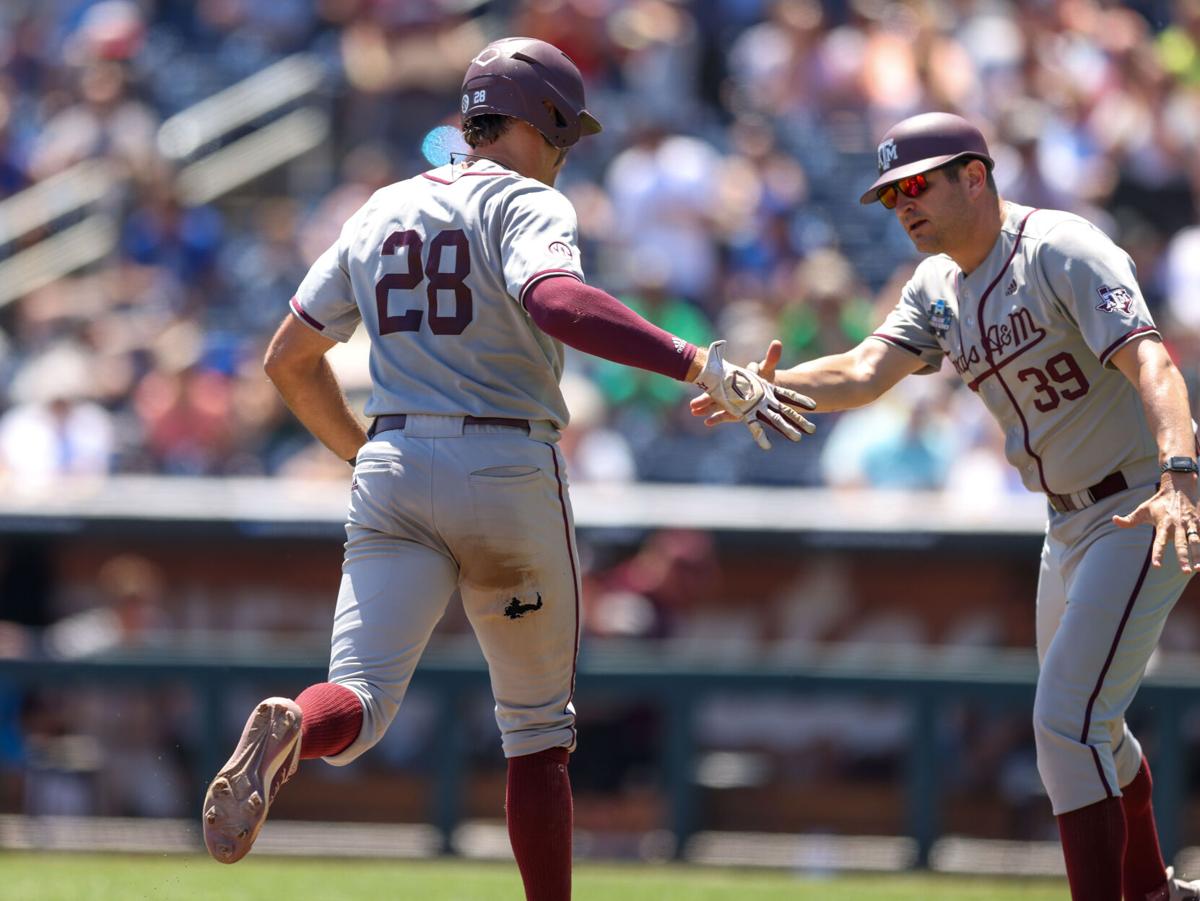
(597,323)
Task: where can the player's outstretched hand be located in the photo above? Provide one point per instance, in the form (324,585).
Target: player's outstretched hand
(1173,514)
(746,394)
(704,405)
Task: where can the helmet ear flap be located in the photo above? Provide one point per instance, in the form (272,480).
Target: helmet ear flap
(559,120)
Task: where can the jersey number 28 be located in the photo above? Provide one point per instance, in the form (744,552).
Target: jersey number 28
(408,245)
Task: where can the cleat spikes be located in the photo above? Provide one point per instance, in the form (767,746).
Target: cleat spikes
(239,797)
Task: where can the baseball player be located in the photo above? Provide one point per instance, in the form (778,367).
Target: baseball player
(1041,315)
(468,280)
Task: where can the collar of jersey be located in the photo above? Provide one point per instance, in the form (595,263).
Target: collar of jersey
(449,173)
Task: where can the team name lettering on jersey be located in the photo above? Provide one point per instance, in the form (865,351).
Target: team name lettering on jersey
(1012,338)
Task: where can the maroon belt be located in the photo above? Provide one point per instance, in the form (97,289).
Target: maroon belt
(1108,486)
(390,421)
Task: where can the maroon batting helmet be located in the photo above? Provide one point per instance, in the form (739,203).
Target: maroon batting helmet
(924,142)
(529,80)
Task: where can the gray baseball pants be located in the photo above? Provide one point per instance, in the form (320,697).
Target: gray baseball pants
(1101,608)
(443,505)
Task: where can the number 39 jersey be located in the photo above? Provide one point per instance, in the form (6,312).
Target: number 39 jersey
(435,267)
(1033,330)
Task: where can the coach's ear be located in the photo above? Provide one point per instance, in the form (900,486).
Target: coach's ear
(977,172)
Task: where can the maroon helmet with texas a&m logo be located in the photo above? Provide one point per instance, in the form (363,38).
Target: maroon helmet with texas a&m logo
(924,142)
(532,81)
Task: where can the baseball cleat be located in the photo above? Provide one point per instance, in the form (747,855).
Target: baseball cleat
(237,801)
(1181,889)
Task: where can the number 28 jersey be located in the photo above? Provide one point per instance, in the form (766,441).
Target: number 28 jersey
(435,268)
(1033,331)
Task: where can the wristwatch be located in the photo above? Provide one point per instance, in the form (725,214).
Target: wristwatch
(1180,464)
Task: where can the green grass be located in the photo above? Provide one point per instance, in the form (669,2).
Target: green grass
(70,877)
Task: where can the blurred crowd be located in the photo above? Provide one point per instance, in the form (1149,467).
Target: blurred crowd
(721,200)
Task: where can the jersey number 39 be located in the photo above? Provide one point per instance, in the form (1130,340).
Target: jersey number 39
(408,245)
(1063,369)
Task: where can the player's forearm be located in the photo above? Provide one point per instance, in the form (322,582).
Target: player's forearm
(590,320)
(312,393)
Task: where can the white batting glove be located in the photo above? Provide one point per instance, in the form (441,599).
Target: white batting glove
(751,399)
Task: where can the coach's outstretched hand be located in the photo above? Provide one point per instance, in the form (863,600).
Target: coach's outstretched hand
(1172,511)
(746,394)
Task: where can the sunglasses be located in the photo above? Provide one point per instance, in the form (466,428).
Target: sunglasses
(913,186)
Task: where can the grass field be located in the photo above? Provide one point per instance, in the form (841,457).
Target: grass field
(71,877)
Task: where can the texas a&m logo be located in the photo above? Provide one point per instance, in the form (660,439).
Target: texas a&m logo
(888,154)
(1114,300)
(1001,343)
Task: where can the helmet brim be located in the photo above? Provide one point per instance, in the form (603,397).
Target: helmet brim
(589,124)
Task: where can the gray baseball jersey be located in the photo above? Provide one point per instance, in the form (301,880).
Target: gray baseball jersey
(469,493)
(436,267)
(1033,330)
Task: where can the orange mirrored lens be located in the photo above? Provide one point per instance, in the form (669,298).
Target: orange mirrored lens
(913,186)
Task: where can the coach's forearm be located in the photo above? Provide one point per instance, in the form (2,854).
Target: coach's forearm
(1164,398)
(836,382)
(1164,395)
(311,391)
(826,381)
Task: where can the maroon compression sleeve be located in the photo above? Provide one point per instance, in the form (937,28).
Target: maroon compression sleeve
(597,323)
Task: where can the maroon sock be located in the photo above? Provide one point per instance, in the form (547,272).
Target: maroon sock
(332,718)
(1145,870)
(1093,842)
(540,818)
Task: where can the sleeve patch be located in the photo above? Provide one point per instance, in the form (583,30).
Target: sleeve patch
(1114,300)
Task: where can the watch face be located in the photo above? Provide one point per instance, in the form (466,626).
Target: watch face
(1180,464)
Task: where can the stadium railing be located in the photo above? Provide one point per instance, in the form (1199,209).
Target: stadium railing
(221,143)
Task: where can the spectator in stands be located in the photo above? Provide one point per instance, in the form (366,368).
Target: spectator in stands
(127,612)
(661,192)
(105,122)
(595,451)
(184,407)
(55,428)
(649,594)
